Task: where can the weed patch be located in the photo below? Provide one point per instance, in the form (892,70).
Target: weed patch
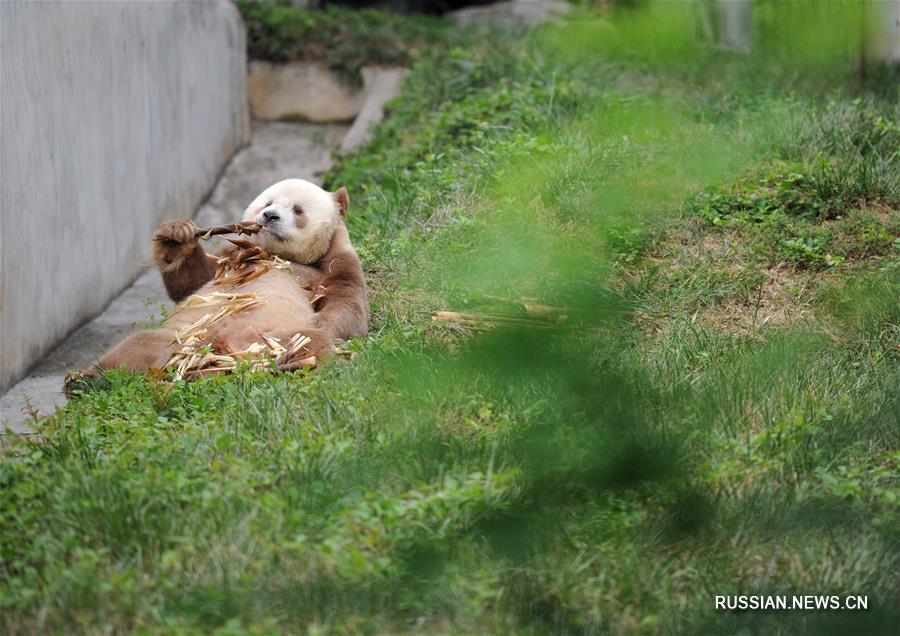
(344,39)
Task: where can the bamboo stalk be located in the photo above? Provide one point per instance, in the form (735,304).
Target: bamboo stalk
(245,227)
(460,318)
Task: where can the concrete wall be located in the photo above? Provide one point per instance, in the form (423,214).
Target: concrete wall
(114,116)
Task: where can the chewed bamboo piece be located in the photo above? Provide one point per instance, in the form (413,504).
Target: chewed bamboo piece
(487,321)
(196,359)
(245,264)
(532,307)
(232,305)
(237,302)
(535,314)
(245,227)
(195,356)
(206,233)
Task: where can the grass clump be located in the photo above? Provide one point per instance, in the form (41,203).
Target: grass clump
(830,193)
(344,39)
(651,426)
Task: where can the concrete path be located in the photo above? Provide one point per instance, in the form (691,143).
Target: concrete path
(277,151)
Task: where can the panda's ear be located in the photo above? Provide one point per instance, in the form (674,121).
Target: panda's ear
(343,199)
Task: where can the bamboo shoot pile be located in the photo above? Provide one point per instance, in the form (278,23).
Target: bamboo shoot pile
(247,262)
(196,357)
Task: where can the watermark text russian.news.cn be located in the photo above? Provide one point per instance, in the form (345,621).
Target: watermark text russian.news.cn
(792,602)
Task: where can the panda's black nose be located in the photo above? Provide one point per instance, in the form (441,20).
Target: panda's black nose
(269,215)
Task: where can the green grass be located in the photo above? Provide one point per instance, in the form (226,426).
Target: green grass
(716,413)
(344,39)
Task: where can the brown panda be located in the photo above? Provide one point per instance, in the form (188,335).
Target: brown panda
(315,287)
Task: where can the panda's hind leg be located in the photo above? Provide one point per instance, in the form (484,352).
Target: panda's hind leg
(140,351)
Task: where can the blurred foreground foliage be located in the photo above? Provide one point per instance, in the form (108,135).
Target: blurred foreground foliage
(692,391)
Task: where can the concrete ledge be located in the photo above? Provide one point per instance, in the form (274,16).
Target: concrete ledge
(303,91)
(311,92)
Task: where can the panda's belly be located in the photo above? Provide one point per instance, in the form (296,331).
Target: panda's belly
(283,309)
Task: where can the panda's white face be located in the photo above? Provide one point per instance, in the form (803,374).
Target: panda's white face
(298,218)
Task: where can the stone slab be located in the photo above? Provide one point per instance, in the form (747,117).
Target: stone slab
(307,91)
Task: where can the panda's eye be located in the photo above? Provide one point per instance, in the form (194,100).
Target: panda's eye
(298,210)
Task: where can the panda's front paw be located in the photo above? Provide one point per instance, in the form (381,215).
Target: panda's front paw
(173,242)
(184,231)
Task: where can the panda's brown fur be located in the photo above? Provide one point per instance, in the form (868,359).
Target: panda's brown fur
(303,225)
